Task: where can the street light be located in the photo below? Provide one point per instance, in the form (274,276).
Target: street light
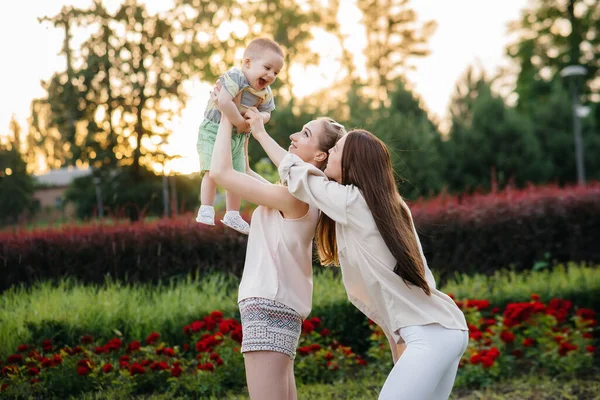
(578,112)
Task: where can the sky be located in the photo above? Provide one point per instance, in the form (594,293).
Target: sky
(469,32)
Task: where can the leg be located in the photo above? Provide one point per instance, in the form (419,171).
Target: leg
(267,374)
(292,393)
(431,352)
(232,201)
(444,388)
(208,190)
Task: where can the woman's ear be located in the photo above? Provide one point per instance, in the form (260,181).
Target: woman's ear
(321,156)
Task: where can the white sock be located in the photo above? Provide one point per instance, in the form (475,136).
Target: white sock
(232,213)
(211,208)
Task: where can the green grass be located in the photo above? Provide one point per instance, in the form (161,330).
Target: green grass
(368,389)
(67,310)
(580,283)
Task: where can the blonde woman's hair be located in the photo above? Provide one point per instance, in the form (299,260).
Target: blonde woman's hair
(325,236)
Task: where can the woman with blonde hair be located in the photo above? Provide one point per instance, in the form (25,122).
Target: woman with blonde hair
(275,293)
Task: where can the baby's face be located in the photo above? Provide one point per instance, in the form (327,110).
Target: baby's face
(262,70)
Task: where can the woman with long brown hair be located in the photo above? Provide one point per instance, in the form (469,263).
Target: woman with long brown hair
(367,229)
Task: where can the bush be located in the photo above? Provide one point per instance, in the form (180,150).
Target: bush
(484,233)
(477,233)
(136,252)
(553,339)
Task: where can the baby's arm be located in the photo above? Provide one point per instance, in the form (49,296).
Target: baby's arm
(228,107)
(266,116)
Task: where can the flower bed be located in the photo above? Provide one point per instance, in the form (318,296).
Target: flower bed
(529,337)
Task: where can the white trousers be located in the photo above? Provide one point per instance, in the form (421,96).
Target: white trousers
(427,368)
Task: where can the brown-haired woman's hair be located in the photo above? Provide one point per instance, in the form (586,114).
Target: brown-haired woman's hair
(366,164)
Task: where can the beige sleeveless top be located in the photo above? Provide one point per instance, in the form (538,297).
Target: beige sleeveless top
(279,259)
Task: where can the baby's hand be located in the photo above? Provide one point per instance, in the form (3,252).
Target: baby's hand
(255,120)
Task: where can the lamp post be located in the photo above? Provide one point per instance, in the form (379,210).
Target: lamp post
(99,205)
(575,71)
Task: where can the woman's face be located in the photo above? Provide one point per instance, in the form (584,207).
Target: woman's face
(305,144)
(334,163)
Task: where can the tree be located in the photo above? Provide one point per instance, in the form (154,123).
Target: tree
(550,36)
(413,141)
(553,125)
(393,37)
(16,186)
(489,141)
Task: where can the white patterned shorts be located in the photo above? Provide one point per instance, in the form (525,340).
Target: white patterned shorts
(268,325)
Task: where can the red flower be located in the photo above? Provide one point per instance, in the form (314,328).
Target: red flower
(137,369)
(487,362)
(586,313)
(224,327)
(176,371)
(87,339)
(475,359)
(360,361)
(47,363)
(33,371)
(588,335)
(169,352)
(528,342)
(558,339)
(590,349)
(329,356)
(535,297)
(206,367)
(304,350)
(307,327)
(124,358)
(47,345)
(153,338)
(315,347)
(134,346)
(507,337)
(123,364)
(107,368)
(9,370)
(76,350)
(332,366)
(101,349)
(145,363)
(565,348)
(159,366)
(495,310)
(34,380)
(57,359)
(186,347)
(325,332)
(210,323)
(114,344)
(14,359)
(237,335)
(217,316)
(315,321)
(493,353)
(3,387)
(83,371)
(23,348)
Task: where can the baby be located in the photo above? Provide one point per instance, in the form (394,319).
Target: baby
(250,87)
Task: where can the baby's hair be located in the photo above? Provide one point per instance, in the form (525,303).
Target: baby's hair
(259,45)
